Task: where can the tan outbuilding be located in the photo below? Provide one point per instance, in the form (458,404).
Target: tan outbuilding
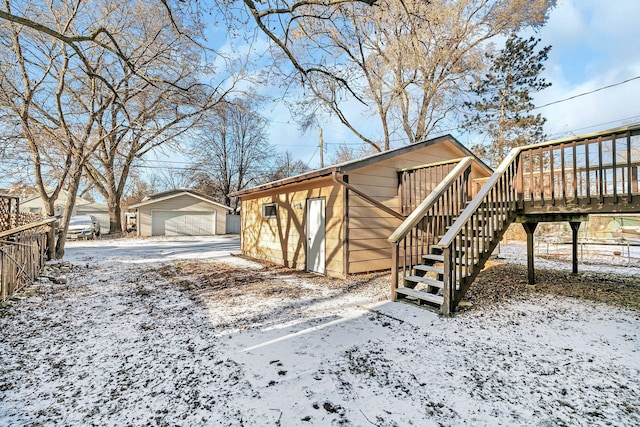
(336,220)
(181,212)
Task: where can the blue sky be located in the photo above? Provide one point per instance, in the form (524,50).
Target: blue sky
(594,44)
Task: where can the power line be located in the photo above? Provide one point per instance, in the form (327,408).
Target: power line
(588,93)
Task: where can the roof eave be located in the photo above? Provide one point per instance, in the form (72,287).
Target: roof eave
(318,173)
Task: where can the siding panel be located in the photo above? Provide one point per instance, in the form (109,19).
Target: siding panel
(282,240)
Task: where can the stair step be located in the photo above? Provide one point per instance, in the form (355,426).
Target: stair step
(440,258)
(429,269)
(433,257)
(422,296)
(425,280)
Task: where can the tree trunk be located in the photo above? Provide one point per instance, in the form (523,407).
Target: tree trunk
(51,232)
(115,217)
(72,192)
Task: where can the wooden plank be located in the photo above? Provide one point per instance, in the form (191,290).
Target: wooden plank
(26,227)
(425,281)
(575,173)
(433,257)
(383,254)
(369,244)
(429,268)
(423,296)
(373,222)
(552,176)
(366,266)
(541,176)
(387,181)
(600,173)
(587,169)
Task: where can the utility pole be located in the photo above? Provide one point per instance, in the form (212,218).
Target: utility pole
(321,149)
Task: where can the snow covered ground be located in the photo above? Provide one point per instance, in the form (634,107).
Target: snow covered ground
(136,333)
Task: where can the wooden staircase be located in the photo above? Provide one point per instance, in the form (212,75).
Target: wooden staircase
(444,243)
(426,284)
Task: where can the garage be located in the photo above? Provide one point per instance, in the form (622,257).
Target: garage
(171,223)
(182,212)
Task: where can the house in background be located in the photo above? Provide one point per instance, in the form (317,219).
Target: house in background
(181,212)
(82,207)
(336,220)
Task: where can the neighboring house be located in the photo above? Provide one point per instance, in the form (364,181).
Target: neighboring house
(337,220)
(180,212)
(82,207)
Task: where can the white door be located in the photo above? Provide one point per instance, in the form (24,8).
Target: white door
(315,235)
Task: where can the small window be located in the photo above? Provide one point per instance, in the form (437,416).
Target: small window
(269,210)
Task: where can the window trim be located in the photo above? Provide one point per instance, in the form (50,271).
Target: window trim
(266,206)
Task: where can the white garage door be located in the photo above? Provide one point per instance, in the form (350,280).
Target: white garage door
(172,223)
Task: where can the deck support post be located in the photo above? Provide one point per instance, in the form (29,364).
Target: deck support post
(575,226)
(530,228)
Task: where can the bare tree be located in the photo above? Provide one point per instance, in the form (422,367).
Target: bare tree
(147,115)
(406,61)
(346,153)
(128,84)
(231,149)
(53,104)
(285,165)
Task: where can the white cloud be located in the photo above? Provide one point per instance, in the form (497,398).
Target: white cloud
(593,46)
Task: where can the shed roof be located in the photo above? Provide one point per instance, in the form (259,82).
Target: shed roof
(166,195)
(364,161)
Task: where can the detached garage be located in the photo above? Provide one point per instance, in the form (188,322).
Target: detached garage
(180,212)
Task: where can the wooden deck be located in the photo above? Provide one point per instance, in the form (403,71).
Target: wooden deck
(450,235)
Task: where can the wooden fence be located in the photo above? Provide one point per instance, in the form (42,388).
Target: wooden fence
(22,255)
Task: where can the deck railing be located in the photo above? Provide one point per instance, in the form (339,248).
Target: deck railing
(417,182)
(592,170)
(420,230)
(22,255)
(592,174)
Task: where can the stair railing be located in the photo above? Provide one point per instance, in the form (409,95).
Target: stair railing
(475,234)
(420,230)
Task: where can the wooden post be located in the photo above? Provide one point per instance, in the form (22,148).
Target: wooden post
(530,228)
(395,249)
(447,304)
(574,245)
